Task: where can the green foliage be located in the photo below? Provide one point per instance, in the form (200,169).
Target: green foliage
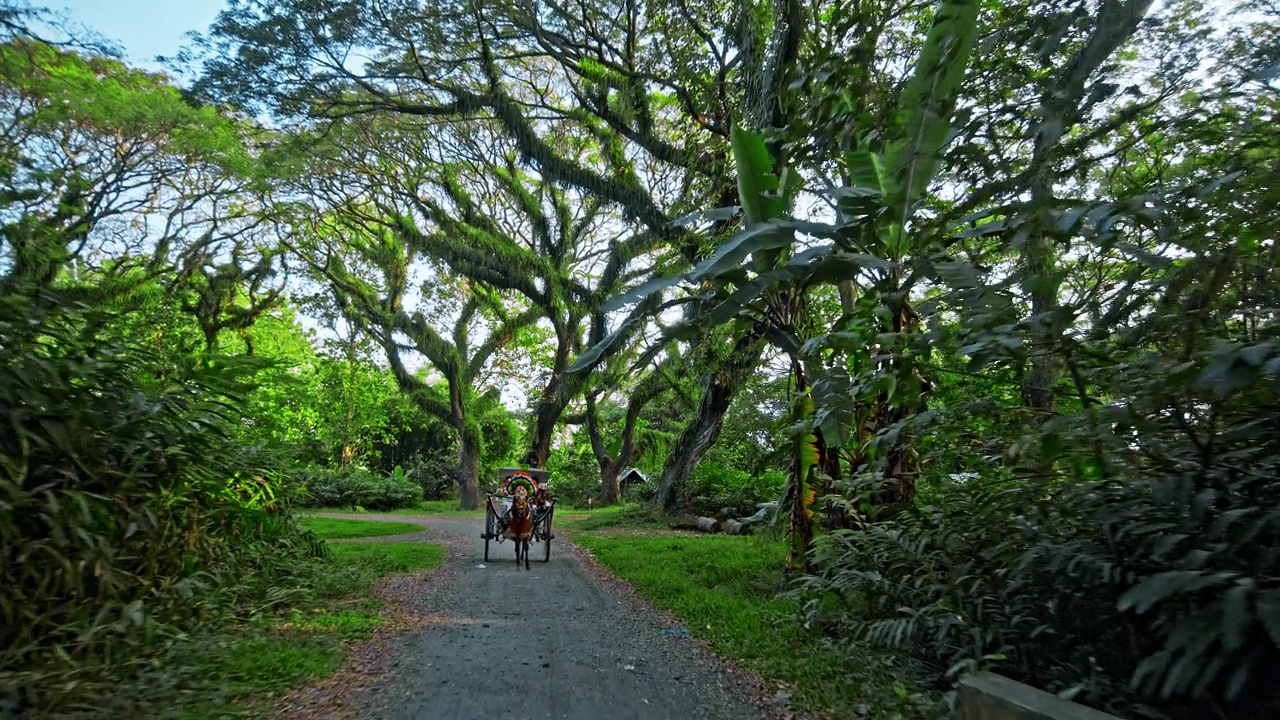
(1147,578)
(129,506)
(434,474)
(575,474)
(352,488)
(1134,565)
(753,433)
(237,670)
(426,507)
(94,94)
(324,404)
(720,491)
(500,433)
(1062,293)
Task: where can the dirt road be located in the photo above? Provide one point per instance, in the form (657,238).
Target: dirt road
(563,640)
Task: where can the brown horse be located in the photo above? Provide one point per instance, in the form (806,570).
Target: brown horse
(520,526)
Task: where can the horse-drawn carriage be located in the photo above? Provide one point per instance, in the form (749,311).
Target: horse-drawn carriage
(520,511)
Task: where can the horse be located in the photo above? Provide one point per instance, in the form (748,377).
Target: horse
(520,526)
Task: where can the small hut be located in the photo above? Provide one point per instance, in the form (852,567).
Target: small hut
(632,477)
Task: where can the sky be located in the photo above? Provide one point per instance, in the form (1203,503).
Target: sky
(144,28)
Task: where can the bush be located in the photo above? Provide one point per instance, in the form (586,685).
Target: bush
(722,492)
(575,475)
(435,475)
(354,487)
(128,504)
(1146,572)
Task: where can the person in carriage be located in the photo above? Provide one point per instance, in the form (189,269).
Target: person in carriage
(521,510)
(536,493)
(524,502)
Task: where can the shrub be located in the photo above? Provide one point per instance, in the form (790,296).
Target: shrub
(719,491)
(575,475)
(1146,572)
(354,487)
(128,504)
(434,474)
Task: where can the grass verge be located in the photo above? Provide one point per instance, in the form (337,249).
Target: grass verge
(240,668)
(726,590)
(339,529)
(425,507)
(627,517)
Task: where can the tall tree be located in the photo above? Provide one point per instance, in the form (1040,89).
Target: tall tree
(459,196)
(107,169)
(661,119)
(368,268)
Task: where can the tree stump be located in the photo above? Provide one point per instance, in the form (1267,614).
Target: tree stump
(708,525)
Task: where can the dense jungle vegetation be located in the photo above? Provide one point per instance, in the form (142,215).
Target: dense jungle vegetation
(982,294)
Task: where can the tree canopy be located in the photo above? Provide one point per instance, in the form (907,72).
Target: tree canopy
(977,299)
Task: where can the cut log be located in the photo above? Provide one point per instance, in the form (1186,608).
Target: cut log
(735,527)
(685,522)
(693,522)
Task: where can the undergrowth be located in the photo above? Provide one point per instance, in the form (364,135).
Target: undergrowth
(149,563)
(422,507)
(352,487)
(727,590)
(239,669)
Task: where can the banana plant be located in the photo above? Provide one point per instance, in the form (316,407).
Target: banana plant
(871,237)
(891,185)
(768,196)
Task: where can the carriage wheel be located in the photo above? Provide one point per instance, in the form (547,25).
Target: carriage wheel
(488,528)
(546,537)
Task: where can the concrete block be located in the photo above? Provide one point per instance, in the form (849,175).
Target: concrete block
(987,696)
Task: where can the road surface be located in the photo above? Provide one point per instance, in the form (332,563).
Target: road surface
(488,641)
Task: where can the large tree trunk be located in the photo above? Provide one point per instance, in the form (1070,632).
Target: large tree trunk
(704,429)
(610,467)
(545,416)
(554,399)
(610,483)
(468,448)
(1041,284)
(469,469)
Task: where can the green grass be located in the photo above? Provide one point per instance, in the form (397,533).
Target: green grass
(345,624)
(261,662)
(385,558)
(426,507)
(616,516)
(446,507)
(336,529)
(230,674)
(725,589)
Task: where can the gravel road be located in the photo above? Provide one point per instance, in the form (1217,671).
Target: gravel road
(488,641)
